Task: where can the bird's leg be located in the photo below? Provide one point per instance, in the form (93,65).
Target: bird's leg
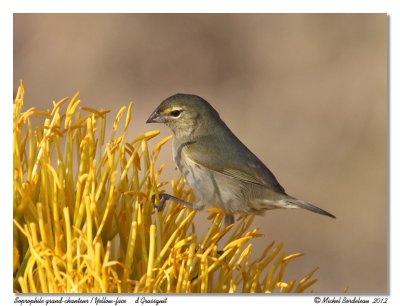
(229,219)
(165,197)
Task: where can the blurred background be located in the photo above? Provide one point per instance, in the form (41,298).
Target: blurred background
(307,93)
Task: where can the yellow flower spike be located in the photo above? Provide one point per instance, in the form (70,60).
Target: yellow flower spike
(109,207)
(136,161)
(271,281)
(214,265)
(303,282)
(162,184)
(254,287)
(91,124)
(105,264)
(79,194)
(42,229)
(129,255)
(204,274)
(138,194)
(102,126)
(282,269)
(100,113)
(97,268)
(245,253)
(302,288)
(102,182)
(146,157)
(18,123)
(68,282)
(237,243)
(158,146)
(118,118)
(110,157)
(79,124)
(180,277)
(42,146)
(67,225)
(212,230)
(57,105)
(19,97)
(242,277)
(159,230)
(23,284)
(56,221)
(292,256)
(16,257)
(166,246)
(282,286)
(157,176)
(179,244)
(39,260)
(272,254)
(57,274)
(55,176)
(239,229)
(146,136)
(188,268)
(289,286)
(128,166)
(128,115)
(30,277)
(142,236)
(86,214)
(266,251)
(79,218)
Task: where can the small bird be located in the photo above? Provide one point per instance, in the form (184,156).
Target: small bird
(220,169)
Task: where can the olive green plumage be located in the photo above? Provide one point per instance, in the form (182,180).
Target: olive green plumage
(221,170)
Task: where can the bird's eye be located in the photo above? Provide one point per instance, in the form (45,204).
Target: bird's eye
(175,113)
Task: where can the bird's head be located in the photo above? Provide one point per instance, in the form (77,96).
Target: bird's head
(186,115)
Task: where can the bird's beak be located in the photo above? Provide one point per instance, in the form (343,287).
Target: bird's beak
(156,117)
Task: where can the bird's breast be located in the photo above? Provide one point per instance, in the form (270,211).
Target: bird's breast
(190,170)
(210,187)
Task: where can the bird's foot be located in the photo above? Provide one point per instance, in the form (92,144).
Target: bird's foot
(165,197)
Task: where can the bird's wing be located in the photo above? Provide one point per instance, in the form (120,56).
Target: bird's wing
(237,162)
(240,175)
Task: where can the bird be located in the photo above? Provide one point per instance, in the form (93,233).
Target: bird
(222,172)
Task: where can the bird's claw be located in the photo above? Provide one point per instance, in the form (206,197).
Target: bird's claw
(164,197)
(161,204)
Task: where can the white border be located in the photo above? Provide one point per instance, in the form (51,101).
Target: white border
(8,7)
(6,174)
(221,6)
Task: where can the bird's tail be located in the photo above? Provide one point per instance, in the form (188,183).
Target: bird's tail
(308,206)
